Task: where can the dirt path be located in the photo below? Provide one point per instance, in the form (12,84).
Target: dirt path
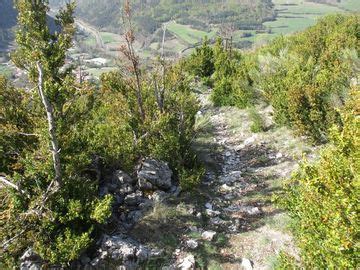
(243,171)
(230,221)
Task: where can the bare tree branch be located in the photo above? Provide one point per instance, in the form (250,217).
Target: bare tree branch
(8,183)
(131,55)
(51,127)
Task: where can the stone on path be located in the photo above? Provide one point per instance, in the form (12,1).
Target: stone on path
(208,235)
(208,206)
(187,263)
(246,264)
(192,244)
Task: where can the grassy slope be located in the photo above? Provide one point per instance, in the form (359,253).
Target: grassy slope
(188,34)
(296,15)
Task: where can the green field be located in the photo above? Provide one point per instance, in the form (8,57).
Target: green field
(96,72)
(108,37)
(350,5)
(294,16)
(188,34)
(90,41)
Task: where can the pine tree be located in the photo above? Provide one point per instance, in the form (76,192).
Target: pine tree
(48,204)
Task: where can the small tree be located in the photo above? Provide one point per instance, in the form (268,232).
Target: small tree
(51,206)
(201,62)
(129,52)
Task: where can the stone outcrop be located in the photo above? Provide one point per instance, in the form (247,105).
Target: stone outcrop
(154,174)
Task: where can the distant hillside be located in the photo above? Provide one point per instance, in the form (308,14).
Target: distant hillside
(8,17)
(7,22)
(200,14)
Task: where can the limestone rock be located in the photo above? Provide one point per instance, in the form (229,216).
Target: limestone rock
(246,264)
(121,248)
(134,199)
(123,178)
(192,244)
(186,263)
(155,172)
(30,260)
(208,235)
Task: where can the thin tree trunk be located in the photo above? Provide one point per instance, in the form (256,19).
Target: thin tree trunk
(9,184)
(51,127)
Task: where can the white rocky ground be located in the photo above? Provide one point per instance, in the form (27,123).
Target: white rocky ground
(244,170)
(230,221)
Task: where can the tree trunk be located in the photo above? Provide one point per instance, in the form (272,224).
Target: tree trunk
(51,127)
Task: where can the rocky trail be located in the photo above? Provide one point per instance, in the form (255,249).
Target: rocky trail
(228,222)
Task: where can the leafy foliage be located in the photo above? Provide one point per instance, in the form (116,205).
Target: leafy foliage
(305,77)
(257,123)
(201,61)
(98,128)
(323,198)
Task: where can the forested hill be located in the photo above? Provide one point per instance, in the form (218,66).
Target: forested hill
(149,14)
(8,16)
(7,21)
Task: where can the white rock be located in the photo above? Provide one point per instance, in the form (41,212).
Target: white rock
(246,264)
(192,244)
(208,206)
(217,221)
(228,154)
(279,155)
(229,196)
(187,263)
(193,228)
(225,188)
(250,140)
(212,213)
(253,211)
(208,235)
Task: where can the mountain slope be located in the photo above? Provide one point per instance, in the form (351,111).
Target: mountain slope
(7,22)
(150,14)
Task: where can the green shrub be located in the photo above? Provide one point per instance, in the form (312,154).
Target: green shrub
(53,204)
(201,61)
(323,199)
(285,261)
(306,77)
(222,92)
(257,122)
(232,81)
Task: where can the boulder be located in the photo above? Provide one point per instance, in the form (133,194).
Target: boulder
(117,183)
(186,263)
(135,216)
(30,260)
(156,173)
(246,264)
(134,199)
(192,244)
(143,184)
(121,249)
(123,178)
(208,235)
(126,189)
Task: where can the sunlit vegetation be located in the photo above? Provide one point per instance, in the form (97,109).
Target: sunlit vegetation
(59,138)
